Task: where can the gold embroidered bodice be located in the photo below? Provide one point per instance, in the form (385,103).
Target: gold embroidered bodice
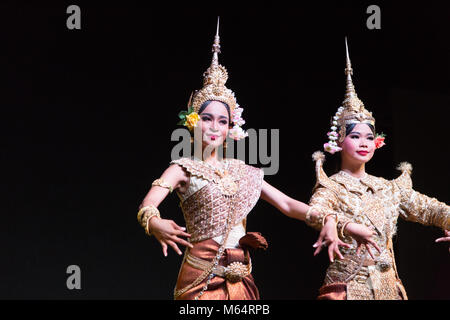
(376,202)
(206,209)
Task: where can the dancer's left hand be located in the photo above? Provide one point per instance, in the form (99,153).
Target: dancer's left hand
(329,237)
(445,239)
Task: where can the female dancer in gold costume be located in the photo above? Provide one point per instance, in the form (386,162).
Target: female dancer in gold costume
(216,196)
(367,207)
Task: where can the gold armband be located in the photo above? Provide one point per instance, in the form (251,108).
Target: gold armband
(162,183)
(313,220)
(145,214)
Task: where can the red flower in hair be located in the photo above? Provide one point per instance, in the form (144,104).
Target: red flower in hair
(379,140)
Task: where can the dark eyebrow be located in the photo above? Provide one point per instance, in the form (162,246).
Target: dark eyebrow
(356,132)
(209,114)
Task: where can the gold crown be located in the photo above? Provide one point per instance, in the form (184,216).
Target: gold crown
(353,110)
(214,79)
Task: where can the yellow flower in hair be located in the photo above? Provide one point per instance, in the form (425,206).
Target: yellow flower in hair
(191,120)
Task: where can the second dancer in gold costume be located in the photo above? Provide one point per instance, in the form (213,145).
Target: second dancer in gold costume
(367,207)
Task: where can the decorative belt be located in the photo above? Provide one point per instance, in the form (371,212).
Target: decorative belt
(368,265)
(381,265)
(233,272)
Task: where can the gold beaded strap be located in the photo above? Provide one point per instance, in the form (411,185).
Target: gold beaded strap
(145,214)
(162,183)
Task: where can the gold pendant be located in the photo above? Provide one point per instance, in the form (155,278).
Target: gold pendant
(227,185)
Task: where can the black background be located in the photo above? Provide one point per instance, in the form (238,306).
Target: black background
(87,117)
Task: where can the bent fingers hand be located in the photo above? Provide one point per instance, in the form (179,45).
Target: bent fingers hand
(177,226)
(182,233)
(317,251)
(164,248)
(358,249)
(331,252)
(343,244)
(374,244)
(317,245)
(370,251)
(338,252)
(182,241)
(174,246)
(443,239)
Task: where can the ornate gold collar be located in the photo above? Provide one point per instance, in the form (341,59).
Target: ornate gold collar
(355,184)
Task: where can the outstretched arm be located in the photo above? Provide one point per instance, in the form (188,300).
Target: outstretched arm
(167,232)
(425,210)
(288,206)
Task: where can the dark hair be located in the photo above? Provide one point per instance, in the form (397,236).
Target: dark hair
(349,128)
(207,102)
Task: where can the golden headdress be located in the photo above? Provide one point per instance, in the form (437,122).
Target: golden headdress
(351,111)
(354,111)
(214,79)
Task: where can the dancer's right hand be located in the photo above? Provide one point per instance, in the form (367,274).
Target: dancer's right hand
(329,237)
(363,236)
(167,232)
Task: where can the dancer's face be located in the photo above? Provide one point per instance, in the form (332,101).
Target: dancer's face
(359,145)
(214,122)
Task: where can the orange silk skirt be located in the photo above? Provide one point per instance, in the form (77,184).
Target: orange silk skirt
(219,288)
(335,291)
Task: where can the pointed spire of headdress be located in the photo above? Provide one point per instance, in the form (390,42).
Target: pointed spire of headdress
(214,79)
(352,109)
(216,47)
(350,88)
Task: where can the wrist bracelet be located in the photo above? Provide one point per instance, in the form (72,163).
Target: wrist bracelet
(144,215)
(147,231)
(343,229)
(141,212)
(330,214)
